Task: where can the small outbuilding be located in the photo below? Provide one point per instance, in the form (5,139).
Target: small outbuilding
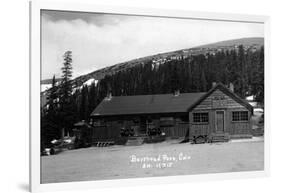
(83,133)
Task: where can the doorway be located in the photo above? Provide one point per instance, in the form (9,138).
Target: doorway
(220,121)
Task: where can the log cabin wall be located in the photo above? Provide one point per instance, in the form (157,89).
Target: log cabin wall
(219,101)
(173,125)
(174,115)
(238,128)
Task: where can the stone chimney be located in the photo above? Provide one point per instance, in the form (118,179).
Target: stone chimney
(177,93)
(231,87)
(214,84)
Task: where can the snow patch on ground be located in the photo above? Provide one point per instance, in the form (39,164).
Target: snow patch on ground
(250,98)
(258,111)
(253,104)
(253,139)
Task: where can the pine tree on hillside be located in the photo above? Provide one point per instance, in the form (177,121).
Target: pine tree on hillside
(49,119)
(203,82)
(241,64)
(92,97)
(66,87)
(258,78)
(67,110)
(174,78)
(189,78)
(84,106)
(196,77)
(52,97)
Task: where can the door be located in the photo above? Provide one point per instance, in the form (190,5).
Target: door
(143,125)
(219,121)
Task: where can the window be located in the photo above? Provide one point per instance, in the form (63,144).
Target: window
(240,116)
(184,119)
(149,120)
(136,121)
(166,121)
(200,117)
(121,122)
(99,123)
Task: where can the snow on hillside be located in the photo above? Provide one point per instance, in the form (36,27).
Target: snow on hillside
(90,81)
(45,87)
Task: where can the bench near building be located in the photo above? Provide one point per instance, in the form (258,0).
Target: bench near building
(213,116)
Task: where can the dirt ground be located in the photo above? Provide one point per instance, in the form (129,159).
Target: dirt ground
(162,159)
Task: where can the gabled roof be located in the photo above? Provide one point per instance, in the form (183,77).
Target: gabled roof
(161,103)
(146,104)
(227,92)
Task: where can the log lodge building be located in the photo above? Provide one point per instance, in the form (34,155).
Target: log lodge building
(218,114)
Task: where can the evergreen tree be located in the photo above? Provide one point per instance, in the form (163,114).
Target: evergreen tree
(66,87)
(67,110)
(92,97)
(189,78)
(174,78)
(52,97)
(203,82)
(258,78)
(84,108)
(49,120)
(241,64)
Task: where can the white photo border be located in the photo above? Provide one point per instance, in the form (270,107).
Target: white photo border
(34,120)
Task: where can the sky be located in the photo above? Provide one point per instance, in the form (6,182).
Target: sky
(99,40)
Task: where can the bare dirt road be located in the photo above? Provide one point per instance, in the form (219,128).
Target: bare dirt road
(162,159)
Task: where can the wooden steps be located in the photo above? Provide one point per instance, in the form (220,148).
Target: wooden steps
(133,141)
(104,143)
(219,137)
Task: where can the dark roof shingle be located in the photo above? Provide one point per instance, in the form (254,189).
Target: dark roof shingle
(146,104)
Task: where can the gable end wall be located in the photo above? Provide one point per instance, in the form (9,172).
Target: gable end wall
(228,105)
